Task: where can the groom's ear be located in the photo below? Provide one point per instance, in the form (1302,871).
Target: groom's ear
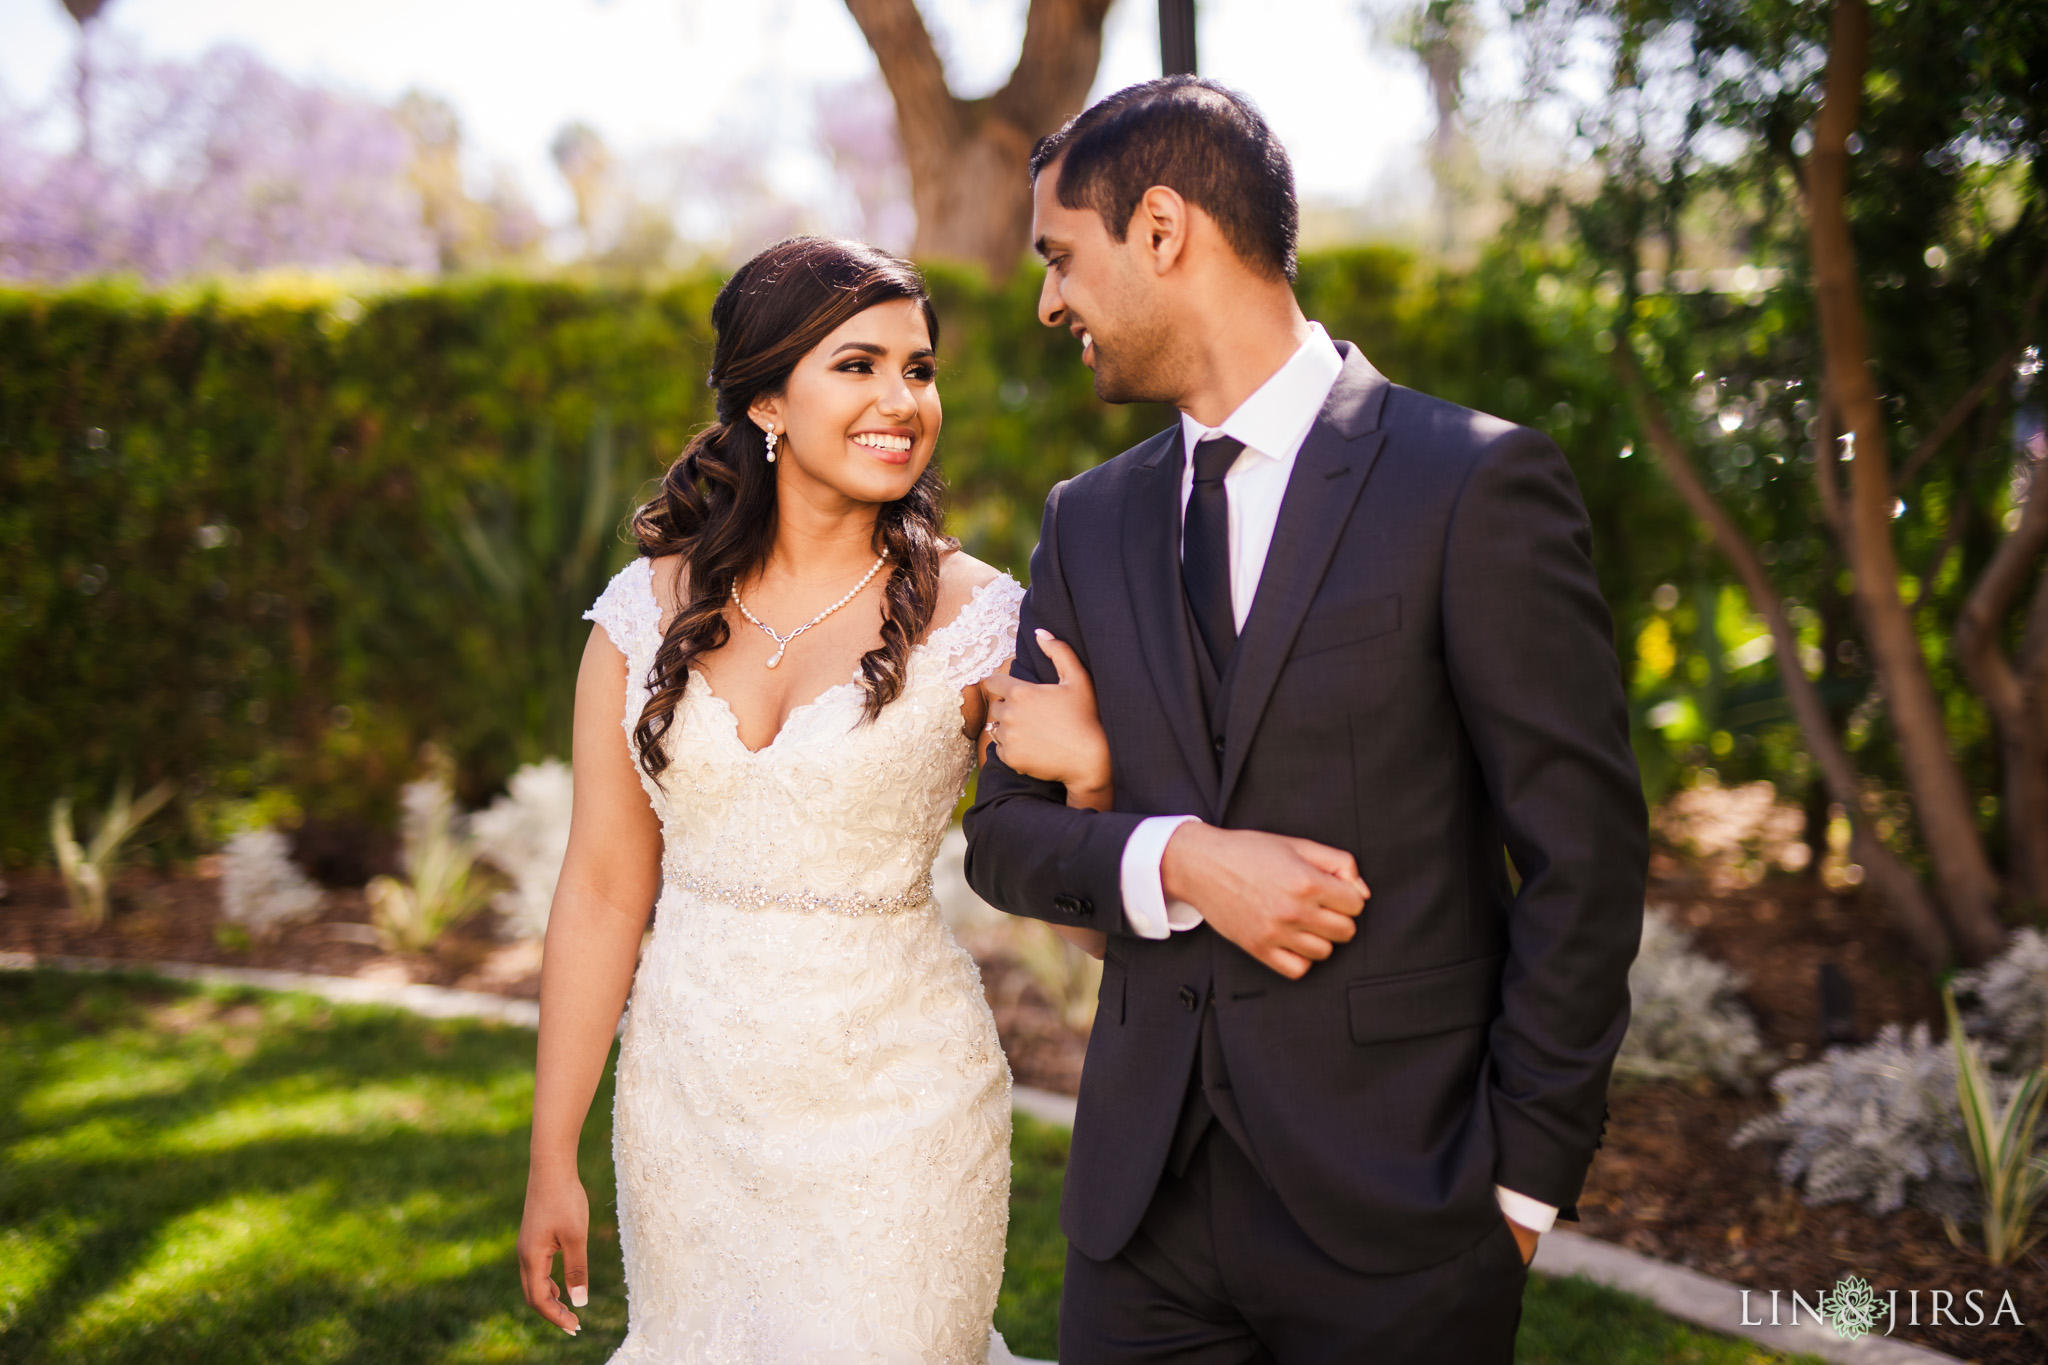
(1159,226)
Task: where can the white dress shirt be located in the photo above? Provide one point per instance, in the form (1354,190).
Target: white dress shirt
(1272,423)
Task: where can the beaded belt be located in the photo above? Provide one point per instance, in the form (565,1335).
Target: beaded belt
(760,898)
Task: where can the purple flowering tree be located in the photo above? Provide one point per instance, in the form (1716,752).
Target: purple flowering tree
(215,166)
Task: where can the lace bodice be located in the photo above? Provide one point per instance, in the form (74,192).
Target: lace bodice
(833,809)
(811,1123)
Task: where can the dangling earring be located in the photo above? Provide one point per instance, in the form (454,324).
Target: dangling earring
(772,439)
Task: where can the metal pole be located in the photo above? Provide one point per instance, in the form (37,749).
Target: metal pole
(1177,37)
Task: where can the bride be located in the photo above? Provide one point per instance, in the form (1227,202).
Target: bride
(812,1122)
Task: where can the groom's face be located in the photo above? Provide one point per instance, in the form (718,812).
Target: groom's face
(1096,288)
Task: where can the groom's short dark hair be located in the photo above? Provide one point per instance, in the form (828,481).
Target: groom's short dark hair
(1194,136)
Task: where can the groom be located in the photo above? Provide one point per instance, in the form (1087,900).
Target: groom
(1374,873)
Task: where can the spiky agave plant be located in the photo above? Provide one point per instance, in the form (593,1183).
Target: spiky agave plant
(2001,1136)
(88,870)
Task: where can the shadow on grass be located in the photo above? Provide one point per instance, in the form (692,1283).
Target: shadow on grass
(192,1225)
(221,1177)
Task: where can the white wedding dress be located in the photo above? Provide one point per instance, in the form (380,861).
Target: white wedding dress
(812,1122)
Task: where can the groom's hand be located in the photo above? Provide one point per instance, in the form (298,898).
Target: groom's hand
(1285,901)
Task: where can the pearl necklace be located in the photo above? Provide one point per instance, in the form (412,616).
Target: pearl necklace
(782,641)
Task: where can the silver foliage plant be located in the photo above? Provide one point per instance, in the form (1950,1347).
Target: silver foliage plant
(1686,1017)
(525,835)
(2005,1002)
(1881,1122)
(261,888)
(1875,1123)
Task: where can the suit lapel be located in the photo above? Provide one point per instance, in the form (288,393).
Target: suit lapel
(1329,472)
(1152,570)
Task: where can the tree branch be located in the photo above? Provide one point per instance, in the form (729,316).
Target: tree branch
(2005,692)
(1062,47)
(1894,882)
(2033,662)
(1977,628)
(1957,414)
(1967,404)
(910,64)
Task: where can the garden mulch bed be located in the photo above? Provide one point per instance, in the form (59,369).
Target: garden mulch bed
(167,917)
(1667,1183)
(175,917)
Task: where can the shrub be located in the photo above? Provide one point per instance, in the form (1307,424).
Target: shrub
(1875,1123)
(297,534)
(1686,1019)
(261,888)
(524,834)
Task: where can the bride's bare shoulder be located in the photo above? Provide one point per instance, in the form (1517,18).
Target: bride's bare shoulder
(961,575)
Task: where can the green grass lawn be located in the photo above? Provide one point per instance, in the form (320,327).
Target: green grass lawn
(229,1176)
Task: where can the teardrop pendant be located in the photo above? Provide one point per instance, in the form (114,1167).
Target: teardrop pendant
(778,657)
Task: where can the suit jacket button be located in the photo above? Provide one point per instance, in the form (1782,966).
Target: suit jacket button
(1082,906)
(1218,743)
(1188,998)
(1063,904)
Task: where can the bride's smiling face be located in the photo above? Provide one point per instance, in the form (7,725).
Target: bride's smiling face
(860,414)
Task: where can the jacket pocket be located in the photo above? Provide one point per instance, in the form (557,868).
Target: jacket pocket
(1109,1001)
(1347,623)
(1385,1009)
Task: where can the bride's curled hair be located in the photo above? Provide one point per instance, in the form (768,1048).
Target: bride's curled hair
(717,503)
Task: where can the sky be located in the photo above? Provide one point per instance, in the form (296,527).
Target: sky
(1352,113)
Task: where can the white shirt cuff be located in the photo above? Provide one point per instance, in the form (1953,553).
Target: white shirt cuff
(1532,1214)
(1146,907)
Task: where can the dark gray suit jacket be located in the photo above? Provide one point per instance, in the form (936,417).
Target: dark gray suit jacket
(1426,679)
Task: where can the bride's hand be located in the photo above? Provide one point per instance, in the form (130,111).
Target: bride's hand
(1051,731)
(557,1220)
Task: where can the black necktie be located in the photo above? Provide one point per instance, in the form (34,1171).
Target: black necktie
(1205,549)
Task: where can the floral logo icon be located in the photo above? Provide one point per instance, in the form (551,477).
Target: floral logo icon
(1851,1307)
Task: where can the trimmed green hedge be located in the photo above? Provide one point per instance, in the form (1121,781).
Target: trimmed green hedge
(281,542)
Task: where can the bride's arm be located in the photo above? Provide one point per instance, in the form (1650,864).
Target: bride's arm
(1052,731)
(610,878)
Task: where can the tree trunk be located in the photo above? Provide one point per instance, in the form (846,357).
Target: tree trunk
(1896,886)
(969,159)
(1969,889)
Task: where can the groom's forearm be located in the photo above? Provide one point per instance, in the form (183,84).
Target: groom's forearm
(1028,851)
(1031,854)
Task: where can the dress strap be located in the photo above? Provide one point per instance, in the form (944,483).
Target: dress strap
(984,633)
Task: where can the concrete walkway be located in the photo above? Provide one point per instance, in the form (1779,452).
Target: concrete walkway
(1682,1293)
